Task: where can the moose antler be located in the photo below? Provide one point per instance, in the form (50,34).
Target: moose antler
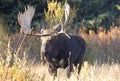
(67,13)
(60,27)
(24,19)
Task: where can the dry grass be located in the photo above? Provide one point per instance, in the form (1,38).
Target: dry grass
(39,72)
(104,72)
(102,60)
(103,47)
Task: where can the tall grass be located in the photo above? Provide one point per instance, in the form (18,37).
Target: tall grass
(3,34)
(101,63)
(104,46)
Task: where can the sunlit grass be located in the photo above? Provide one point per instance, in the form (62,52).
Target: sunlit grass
(104,72)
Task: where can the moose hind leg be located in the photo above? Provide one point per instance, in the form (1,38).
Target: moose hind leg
(80,65)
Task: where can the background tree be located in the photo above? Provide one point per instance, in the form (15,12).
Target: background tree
(91,13)
(10,8)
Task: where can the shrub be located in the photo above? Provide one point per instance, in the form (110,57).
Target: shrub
(55,13)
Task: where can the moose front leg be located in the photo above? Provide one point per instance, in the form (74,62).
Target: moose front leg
(52,70)
(42,56)
(70,65)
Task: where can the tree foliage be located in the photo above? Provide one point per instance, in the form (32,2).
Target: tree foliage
(56,13)
(91,13)
(98,12)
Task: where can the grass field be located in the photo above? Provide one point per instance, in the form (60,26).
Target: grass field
(104,72)
(101,62)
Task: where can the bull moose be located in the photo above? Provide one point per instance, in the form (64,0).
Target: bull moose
(62,52)
(59,49)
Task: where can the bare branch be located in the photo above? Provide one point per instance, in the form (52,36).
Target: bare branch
(24,19)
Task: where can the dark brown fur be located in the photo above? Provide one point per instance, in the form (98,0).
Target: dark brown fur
(62,52)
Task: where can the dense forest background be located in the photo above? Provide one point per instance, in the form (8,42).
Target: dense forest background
(90,13)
